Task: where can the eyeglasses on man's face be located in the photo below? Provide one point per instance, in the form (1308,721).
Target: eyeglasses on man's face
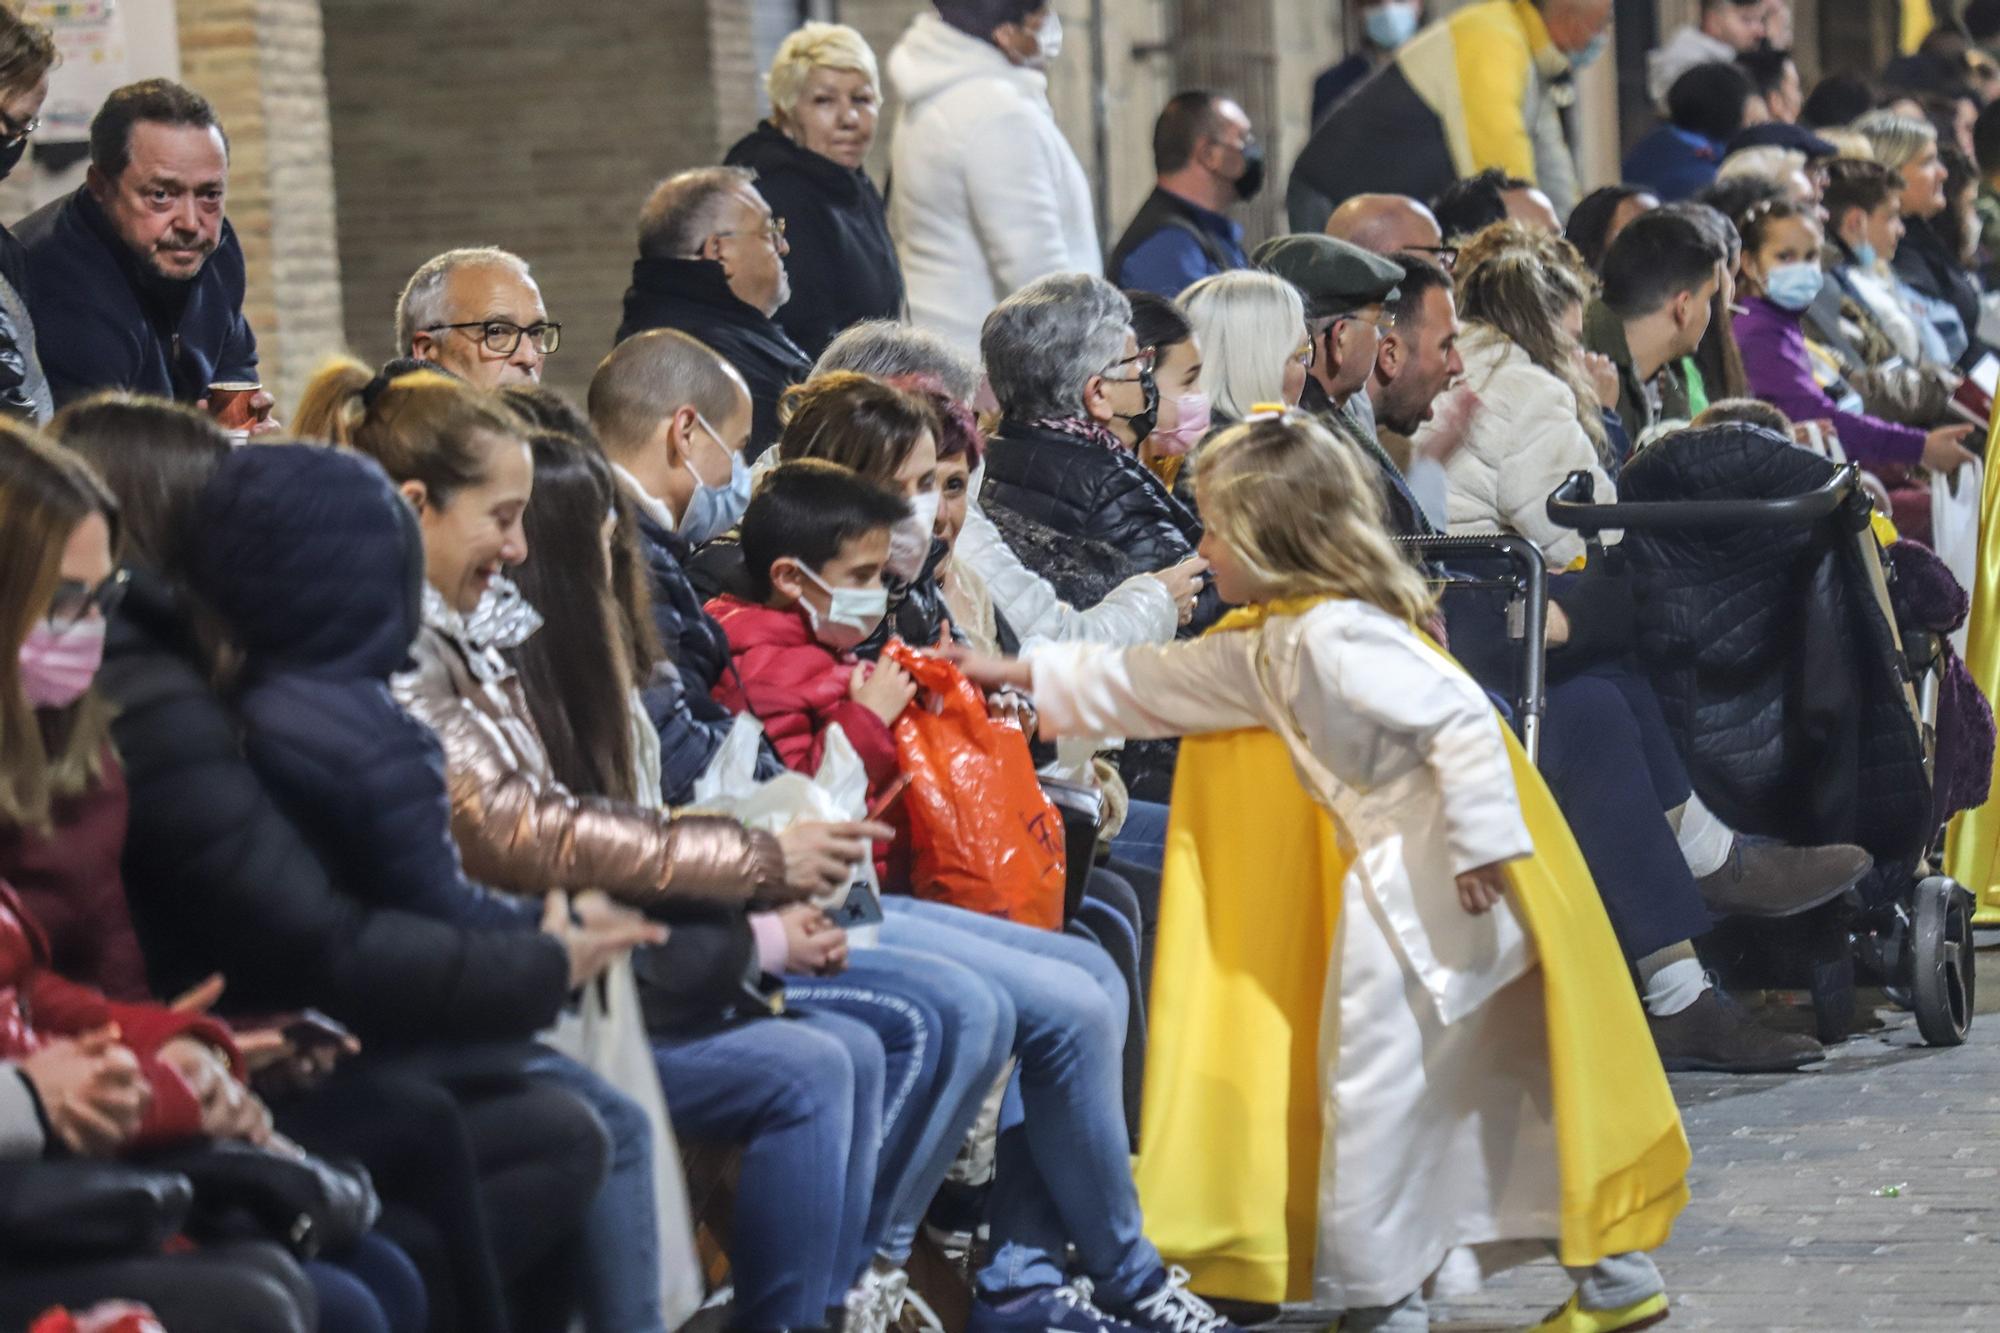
(501,337)
(773,231)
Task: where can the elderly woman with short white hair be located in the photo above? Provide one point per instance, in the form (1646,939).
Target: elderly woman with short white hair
(1256,348)
(825,100)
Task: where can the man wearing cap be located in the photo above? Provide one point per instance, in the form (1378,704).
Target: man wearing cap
(1483,87)
(1344,288)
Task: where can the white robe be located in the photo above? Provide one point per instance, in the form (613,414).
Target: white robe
(1435,1086)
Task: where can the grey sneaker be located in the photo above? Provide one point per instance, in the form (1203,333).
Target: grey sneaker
(1765,878)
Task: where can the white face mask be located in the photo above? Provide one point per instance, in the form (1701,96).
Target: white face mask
(851,614)
(910,540)
(1048,37)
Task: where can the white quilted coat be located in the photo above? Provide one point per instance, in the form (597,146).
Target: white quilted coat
(1523,441)
(985,194)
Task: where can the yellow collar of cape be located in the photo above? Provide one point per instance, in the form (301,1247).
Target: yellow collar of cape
(1257,614)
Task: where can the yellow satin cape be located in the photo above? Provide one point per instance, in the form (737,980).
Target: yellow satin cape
(1972,846)
(1228,1166)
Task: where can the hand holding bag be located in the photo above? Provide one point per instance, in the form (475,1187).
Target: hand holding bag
(983,834)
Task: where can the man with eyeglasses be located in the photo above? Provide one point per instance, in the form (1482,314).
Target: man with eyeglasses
(712,264)
(477,313)
(1392,224)
(1207,159)
(1345,288)
(136,280)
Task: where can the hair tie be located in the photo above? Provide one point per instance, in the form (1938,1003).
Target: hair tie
(373,390)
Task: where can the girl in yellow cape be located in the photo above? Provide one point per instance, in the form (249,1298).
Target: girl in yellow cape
(1394,1045)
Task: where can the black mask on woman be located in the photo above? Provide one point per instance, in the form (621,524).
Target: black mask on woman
(1147,417)
(10,157)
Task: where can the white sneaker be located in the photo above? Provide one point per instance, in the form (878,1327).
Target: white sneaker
(864,1306)
(1172,1308)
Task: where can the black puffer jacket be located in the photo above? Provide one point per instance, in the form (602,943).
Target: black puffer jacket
(1776,670)
(221,880)
(1078,488)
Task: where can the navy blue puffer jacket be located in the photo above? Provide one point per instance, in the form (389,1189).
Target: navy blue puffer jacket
(316,564)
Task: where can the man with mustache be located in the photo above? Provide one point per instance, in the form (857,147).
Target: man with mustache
(135,281)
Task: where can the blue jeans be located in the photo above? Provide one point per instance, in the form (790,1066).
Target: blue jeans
(620,1248)
(371,1287)
(930,1108)
(1143,838)
(1064,1174)
(803,1096)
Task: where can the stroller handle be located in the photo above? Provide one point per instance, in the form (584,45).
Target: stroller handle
(1571,506)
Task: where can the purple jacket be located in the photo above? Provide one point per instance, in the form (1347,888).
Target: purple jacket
(1774,362)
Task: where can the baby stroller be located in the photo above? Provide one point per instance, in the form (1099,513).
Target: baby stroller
(1804,709)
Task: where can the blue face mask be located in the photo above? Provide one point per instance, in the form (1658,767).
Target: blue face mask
(1390,25)
(714,509)
(1793,286)
(1592,49)
(1864,256)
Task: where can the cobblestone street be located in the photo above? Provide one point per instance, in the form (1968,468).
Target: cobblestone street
(1862,1195)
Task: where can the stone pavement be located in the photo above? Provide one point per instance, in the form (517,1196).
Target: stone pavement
(1861,1195)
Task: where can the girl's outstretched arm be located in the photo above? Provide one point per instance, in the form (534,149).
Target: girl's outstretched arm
(1181,689)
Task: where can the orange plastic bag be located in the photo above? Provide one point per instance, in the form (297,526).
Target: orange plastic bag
(982,834)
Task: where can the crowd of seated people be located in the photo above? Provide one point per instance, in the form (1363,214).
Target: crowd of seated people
(380,772)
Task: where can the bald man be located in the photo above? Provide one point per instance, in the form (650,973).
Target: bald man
(1387,223)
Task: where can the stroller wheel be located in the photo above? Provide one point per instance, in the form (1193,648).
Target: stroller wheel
(1941,961)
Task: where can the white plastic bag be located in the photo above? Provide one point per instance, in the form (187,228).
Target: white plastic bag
(839,791)
(606,1033)
(1955,502)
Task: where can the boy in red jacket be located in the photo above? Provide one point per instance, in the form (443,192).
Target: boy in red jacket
(815,539)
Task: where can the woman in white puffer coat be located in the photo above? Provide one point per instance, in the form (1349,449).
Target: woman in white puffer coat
(985,194)
(1521,294)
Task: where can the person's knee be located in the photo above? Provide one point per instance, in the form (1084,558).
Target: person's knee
(345,1303)
(814,1072)
(575,1141)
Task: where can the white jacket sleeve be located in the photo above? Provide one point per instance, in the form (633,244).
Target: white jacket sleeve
(1185,689)
(1139,610)
(1540,416)
(1375,703)
(1015,188)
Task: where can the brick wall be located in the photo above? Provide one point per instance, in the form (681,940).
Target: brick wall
(259,62)
(518,123)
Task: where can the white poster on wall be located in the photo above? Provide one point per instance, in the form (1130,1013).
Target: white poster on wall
(104,44)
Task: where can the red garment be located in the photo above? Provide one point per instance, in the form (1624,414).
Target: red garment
(74,887)
(797,686)
(37,1005)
